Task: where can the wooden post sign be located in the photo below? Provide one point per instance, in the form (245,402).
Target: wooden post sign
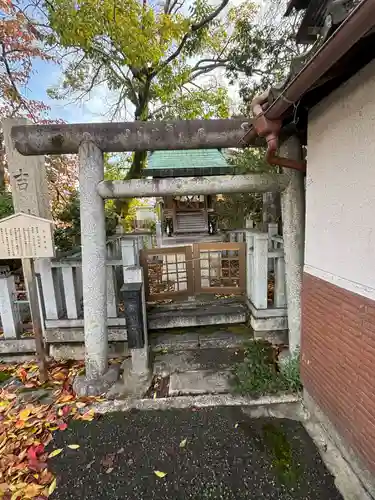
(26,237)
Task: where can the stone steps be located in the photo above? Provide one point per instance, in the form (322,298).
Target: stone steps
(227,336)
(195,314)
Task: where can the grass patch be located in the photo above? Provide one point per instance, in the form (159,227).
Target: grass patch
(290,370)
(259,375)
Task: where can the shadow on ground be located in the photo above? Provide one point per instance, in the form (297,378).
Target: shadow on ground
(207,454)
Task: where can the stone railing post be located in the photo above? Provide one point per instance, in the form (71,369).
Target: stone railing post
(249,223)
(249,236)
(9,313)
(260,271)
(129,248)
(133,274)
(273,229)
(93,239)
(159,236)
(279,293)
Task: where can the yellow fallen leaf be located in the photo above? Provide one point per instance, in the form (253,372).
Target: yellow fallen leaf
(88,416)
(55,452)
(52,487)
(160,473)
(32,490)
(183,443)
(24,414)
(236,425)
(73,446)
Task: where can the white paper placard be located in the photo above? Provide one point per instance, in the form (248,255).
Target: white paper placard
(24,236)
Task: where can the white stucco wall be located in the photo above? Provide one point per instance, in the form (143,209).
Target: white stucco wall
(340,186)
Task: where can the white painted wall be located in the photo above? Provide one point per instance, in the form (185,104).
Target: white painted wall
(340,186)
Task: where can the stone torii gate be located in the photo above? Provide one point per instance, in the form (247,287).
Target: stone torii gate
(90,141)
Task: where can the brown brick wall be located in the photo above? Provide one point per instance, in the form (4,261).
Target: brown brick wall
(338,360)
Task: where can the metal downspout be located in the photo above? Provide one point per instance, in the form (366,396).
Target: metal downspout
(270,130)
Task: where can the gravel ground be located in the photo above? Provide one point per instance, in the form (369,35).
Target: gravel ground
(211,453)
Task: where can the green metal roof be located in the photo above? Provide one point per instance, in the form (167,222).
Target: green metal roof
(192,162)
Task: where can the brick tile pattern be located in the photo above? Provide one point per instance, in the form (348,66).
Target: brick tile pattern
(338,360)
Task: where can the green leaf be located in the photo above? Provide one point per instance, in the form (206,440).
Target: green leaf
(183,443)
(159,473)
(54,453)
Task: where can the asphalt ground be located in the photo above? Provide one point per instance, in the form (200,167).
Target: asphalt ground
(202,454)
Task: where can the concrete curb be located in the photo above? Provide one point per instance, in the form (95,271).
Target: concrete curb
(201,401)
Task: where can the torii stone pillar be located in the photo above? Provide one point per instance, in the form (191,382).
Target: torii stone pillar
(93,243)
(293,218)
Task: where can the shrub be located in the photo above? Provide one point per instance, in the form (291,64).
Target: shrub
(290,370)
(259,373)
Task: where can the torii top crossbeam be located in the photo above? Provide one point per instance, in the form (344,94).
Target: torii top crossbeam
(131,136)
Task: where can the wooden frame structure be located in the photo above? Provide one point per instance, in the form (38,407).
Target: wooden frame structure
(201,268)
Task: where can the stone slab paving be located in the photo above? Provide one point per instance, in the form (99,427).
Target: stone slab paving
(225,455)
(165,363)
(199,382)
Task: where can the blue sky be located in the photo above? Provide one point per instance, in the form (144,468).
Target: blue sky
(47,74)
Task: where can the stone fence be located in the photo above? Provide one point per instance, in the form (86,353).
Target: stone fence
(61,299)
(61,293)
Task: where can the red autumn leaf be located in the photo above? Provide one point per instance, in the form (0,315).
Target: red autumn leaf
(22,373)
(63,426)
(31,453)
(66,410)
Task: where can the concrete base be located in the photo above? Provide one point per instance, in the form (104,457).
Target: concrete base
(199,382)
(76,334)
(17,346)
(361,476)
(131,384)
(277,337)
(271,319)
(96,387)
(268,324)
(77,350)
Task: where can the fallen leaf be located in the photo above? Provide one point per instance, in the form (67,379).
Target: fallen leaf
(109,470)
(80,404)
(54,453)
(32,490)
(73,446)
(183,443)
(24,414)
(108,460)
(63,426)
(88,416)
(160,473)
(88,466)
(52,487)
(236,425)
(121,450)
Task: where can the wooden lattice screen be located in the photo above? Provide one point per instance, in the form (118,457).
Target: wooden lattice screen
(219,268)
(168,272)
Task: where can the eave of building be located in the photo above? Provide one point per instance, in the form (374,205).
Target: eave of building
(342,55)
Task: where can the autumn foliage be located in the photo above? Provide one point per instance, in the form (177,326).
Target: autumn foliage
(26,429)
(20,44)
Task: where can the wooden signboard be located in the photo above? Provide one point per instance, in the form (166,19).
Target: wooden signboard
(24,236)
